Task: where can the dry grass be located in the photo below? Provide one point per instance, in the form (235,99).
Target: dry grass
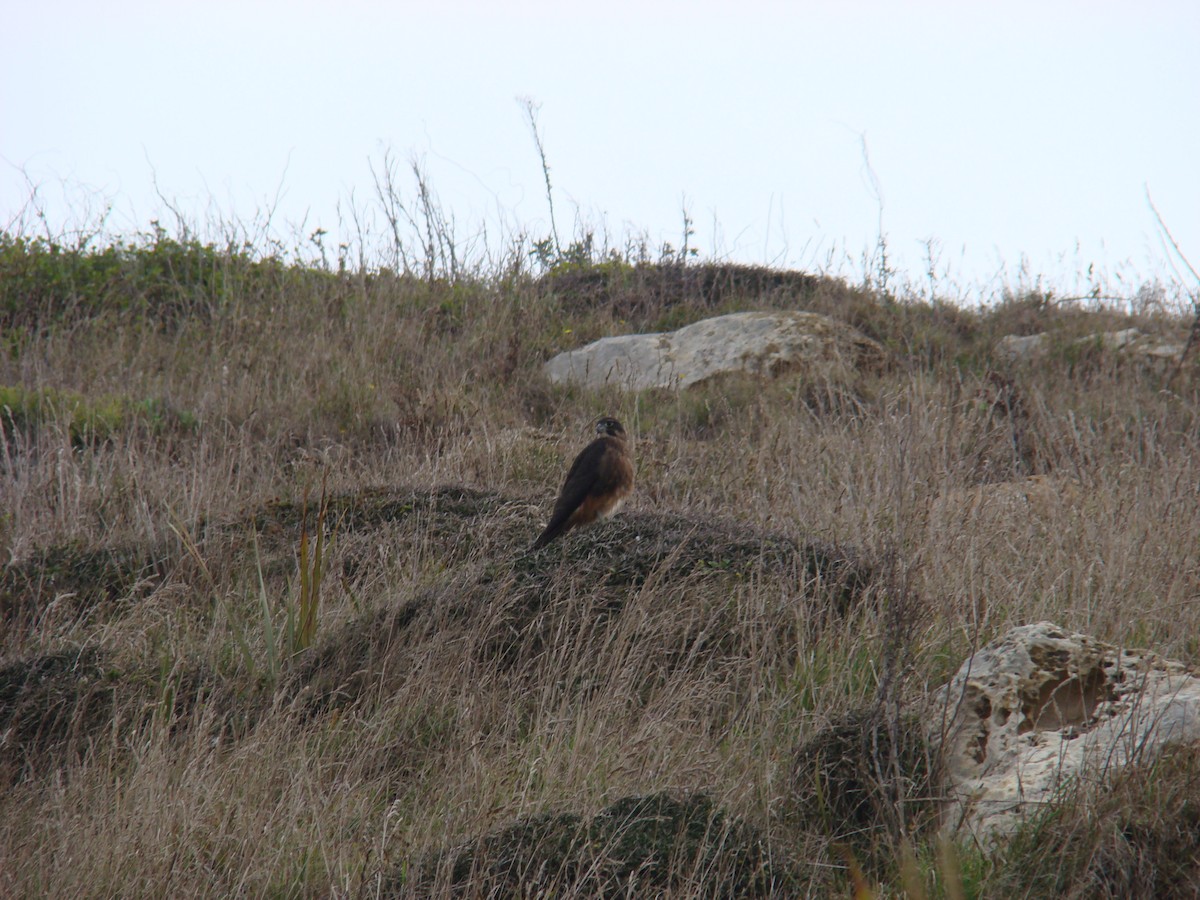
(470,718)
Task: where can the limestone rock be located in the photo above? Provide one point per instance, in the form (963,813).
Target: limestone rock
(1131,339)
(760,343)
(1022,347)
(1041,706)
(1129,343)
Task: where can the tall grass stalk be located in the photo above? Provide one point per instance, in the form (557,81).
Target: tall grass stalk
(312,559)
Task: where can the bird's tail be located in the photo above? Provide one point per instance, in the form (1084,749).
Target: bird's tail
(553,530)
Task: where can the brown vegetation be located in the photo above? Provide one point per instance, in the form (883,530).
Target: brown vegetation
(705,694)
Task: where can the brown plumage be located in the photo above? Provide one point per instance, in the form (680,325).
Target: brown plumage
(599,479)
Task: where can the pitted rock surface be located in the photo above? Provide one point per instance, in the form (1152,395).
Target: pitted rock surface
(1043,705)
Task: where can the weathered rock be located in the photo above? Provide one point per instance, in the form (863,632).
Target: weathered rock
(1041,706)
(1022,347)
(760,343)
(1129,343)
(1131,340)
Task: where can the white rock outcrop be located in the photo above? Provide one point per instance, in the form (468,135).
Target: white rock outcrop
(1041,706)
(1022,347)
(1129,342)
(760,343)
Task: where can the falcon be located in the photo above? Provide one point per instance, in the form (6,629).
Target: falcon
(598,481)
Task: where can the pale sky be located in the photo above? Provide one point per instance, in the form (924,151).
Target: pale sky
(1006,133)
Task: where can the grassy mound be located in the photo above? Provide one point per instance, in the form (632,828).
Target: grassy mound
(76,579)
(637,846)
(215,682)
(868,782)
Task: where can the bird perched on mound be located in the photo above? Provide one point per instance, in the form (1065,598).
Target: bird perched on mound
(599,480)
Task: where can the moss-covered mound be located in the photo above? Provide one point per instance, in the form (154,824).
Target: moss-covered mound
(504,606)
(638,846)
(49,706)
(76,578)
(866,781)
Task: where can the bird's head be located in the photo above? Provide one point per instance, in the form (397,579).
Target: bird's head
(609,427)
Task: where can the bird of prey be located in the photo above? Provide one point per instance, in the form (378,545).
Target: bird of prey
(599,480)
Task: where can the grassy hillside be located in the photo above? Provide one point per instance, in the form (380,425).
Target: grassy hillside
(267,626)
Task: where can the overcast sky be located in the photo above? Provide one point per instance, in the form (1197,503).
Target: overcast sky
(1002,132)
